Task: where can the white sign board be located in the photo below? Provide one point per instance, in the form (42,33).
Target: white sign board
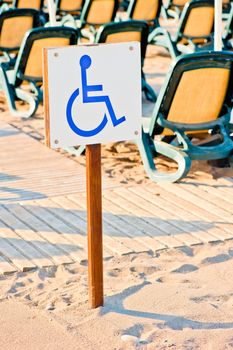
(94,93)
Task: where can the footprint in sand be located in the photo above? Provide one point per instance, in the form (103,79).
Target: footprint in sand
(185,268)
(216,259)
(143,271)
(187,251)
(49,272)
(14,287)
(213,299)
(190,344)
(114,272)
(169,279)
(138,271)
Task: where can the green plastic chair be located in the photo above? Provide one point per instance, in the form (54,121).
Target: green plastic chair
(127,31)
(195,31)
(28,68)
(194,107)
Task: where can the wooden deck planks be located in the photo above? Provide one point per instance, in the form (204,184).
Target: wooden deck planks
(35,246)
(190,214)
(49,227)
(43,209)
(29,170)
(47,231)
(183,219)
(113,238)
(170,232)
(205,209)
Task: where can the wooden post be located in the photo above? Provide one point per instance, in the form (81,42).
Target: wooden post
(94,225)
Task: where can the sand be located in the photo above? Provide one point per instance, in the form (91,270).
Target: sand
(176,299)
(180,299)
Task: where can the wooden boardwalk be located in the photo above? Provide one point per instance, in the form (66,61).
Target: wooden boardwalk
(30,170)
(43,210)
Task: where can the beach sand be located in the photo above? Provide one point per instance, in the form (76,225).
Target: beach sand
(176,299)
(179,299)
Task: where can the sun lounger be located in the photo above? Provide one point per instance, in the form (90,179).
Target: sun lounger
(125,31)
(13,26)
(194,105)
(28,68)
(94,14)
(195,31)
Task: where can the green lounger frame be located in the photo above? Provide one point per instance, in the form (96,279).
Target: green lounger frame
(64,7)
(187,38)
(37,5)
(94,14)
(130,29)
(216,68)
(148,11)
(9,20)
(228,33)
(173,8)
(12,78)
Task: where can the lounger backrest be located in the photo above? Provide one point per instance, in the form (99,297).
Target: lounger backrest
(199,96)
(124,31)
(29,63)
(200,21)
(69,5)
(34,4)
(180,3)
(144,10)
(124,37)
(13,26)
(98,12)
(197,19)
(198,88)
(34,64)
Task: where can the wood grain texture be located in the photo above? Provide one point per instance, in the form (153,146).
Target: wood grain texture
(94,224)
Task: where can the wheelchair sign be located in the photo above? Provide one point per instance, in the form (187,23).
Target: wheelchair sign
(93,94)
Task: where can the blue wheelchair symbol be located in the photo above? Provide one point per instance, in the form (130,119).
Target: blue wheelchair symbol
(85,63)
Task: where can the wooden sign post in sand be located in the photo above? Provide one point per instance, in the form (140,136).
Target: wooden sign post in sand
(92,95)
(94,225)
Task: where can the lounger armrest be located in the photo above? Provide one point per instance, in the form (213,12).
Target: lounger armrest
(87,34)
(158,31)
(190,37)
(69,21)
(193,127)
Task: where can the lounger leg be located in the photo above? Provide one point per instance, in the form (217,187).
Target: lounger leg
(166,42)
(32,101)
(11,94)
(148,147)
(148,91)
(75,152)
